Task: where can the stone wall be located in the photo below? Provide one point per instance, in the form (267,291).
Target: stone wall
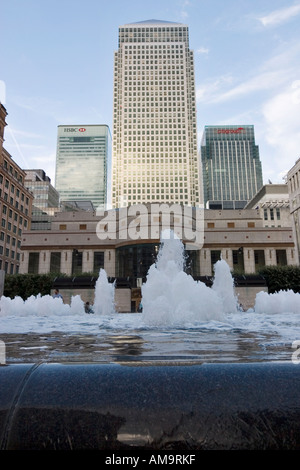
(246,295)
(122,297)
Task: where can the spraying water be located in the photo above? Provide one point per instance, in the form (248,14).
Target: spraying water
(223,285)
(104,295)
(46,305)
(170,296)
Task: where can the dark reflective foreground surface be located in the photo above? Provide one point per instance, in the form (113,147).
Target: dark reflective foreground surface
(160,407)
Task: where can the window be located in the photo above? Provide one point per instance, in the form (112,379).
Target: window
(62,227)
(251,224)
(76,262)
(259,259)
(230,224)
(55,262)
(82,227)
(281,257)
(215,256)
(33,263)
(278,213)
(98,261)
(210,225)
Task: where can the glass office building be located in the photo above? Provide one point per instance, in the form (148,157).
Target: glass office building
(231,167)
(155,153)
(82,163)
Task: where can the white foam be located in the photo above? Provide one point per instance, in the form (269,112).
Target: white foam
(172,297)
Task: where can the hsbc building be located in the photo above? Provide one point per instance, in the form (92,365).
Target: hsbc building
(82,163)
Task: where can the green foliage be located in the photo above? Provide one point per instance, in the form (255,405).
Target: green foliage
(281,278)
(25,285)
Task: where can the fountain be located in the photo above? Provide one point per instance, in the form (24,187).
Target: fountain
(171,297)
(104,295)
(191,372)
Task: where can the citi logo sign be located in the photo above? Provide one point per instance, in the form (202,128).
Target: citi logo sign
(231,131)
(74,129)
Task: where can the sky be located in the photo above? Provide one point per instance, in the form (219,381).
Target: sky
(56,68)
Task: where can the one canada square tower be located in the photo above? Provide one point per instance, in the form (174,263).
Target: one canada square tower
(155,156)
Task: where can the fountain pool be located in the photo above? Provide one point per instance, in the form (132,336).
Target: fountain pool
(182,321)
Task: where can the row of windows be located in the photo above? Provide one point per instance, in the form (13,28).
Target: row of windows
(11,227)
(13,171)
(9,239)
(133,116)
(164,146)
(13,189)
(152,129)
(56,258)
(150,124)
(9,268)
(154,197)
(9,253)
(142,184)
(269,214)
(151,191)
(11,201)
(13,215)
(131,138)
(294,182)
(155,37)
(133,47)
(152,36)
(230,225)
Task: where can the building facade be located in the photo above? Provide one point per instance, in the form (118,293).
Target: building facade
(83,160)
(293,182)
(45,195)
(46,198)
(273,202)
(155,153)
(231,167)
(73,245)
(15,206)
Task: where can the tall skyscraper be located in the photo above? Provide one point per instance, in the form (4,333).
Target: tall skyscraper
(155,155)
(231,167)
(82,162)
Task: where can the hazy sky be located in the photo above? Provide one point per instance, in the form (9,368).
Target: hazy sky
(56,67)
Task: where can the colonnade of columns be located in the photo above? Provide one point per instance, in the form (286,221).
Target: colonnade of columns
(66,261)
(247,259)
(269,256)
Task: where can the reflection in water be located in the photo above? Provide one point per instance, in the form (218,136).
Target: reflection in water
(196,345)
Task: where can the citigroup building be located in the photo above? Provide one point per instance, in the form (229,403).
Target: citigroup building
(231,166)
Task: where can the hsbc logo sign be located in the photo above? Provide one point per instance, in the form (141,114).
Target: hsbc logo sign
(74,129)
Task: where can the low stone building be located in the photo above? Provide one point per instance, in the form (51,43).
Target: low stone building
(83,242)
(77,244)
(273,202)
